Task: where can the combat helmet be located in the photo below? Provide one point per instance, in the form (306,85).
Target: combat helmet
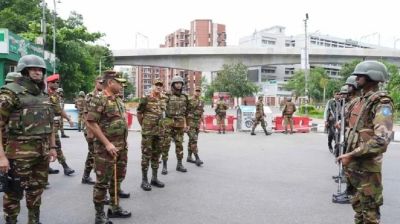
(12,76)
(351,80)
(344,89)
(81,93)
(374,70)
(177,78)
(31,61)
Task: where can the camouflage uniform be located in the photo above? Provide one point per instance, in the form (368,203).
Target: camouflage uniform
(371,124)
(194,118)
(28,114)
(89,162)
(79,105)
(220,111)
(259,116)
(331,120)
(55,100)
(287,113)
(152,109)
(367,146)
(109,113)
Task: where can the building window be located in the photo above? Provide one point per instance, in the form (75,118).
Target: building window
(289,71)
(290,43)
(269,70)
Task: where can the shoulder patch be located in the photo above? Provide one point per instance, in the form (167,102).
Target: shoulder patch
(386,111)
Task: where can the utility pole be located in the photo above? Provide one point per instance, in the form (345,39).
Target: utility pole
(54,36)
(306,61)
(43,25)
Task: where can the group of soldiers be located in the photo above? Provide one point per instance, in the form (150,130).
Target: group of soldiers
(360,120)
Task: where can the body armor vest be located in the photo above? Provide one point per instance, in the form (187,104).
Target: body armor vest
(34,114)
(176,106)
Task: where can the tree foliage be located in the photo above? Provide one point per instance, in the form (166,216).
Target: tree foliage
(317,80)
(233,79)
(78,56)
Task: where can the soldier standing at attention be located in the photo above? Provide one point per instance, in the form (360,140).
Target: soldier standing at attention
(330,116)
(28,150)
(220,111)
(60,92)
(195,117)
(149,113)
(79,105)
(86,179)
(371,124)
(175,121)
(53,83)
(106,120)
(287,113)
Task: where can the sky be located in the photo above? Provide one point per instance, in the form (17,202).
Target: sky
(145,23)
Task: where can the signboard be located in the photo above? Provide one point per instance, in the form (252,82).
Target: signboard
(246,116)
(21,47)
(3,41)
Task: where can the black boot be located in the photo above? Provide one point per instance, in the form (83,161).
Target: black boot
(123,194)
(63,135)
(118,212)
(100,215)
(145,182)
(86,179)
(164,170)
(198,161)
(67,170)
(223,131)
(180,167)
(34,216)
(154,180)
(252,131)
(219,131)
(10,220)
(189,158)
(53,171)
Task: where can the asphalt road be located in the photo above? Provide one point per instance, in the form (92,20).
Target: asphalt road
(283,179)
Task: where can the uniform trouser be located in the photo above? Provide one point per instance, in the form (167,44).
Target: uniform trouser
(175,134)
(90,155)
(331,133)
(33,173)
(288,119)
(260,120)
(62,127)
(81,124)
(221,121)
(151,151)
(368,196)
(104,168)
(193,134)
(60,155)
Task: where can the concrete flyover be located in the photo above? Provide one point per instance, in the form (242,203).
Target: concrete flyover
(212,58)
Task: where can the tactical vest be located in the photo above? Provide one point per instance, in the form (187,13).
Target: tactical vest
(289,110)
(221,108)
(152,113)
(33,115)
(176,106)
(197,108)
(259,109)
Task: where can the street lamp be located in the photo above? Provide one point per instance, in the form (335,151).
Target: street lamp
(142,35)
(54,34)
(43,24)
(306,60)
(371,35)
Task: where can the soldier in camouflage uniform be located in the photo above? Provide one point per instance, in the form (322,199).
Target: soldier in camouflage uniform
(259,116)
(79,105)
(53,84)
(30,144)
(175,123)
(330,119)
(149,113)
(371,124)
(10,77)
(86,179)
(220,112)
(60,92)
(106,120)
(287,113)
(195,117)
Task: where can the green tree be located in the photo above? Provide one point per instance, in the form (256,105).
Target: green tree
(233,79)
(393,86)
(347,69)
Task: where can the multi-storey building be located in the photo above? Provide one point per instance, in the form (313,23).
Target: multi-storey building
(202,33)
(272,78)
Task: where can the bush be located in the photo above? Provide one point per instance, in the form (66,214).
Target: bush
(310,109)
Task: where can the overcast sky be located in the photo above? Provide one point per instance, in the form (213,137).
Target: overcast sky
(121,20)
